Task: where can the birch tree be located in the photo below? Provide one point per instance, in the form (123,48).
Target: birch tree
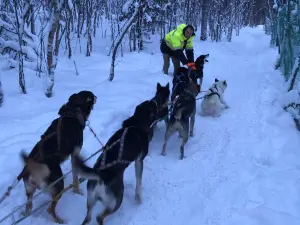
(204,20)
(138,8)
(43,28)
(1,94)
(56,6)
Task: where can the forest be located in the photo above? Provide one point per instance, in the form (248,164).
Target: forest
(35,33)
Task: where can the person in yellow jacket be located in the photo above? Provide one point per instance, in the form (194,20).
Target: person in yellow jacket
(174,43)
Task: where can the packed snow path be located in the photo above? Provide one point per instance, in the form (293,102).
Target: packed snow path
(240,169)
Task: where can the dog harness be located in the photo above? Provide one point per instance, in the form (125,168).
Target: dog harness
(186,94)
(158,110)
(182,77)
(156,104)
(119,159)
(40,153)
(179,79)
(212,92)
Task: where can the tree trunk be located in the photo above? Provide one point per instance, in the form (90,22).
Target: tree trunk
(20,30)
(119,40)
(139,30)
(204,19)
(51,62)
(68,39)
(1,94)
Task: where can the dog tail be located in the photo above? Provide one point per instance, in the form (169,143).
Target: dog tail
(38,171)
(85,171)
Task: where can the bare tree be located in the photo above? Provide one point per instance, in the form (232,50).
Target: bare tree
(204,20)
(33,38)
(119,40)
(1,94)
(20,22)
(53,28)
(230,19)
(295,72)
(89,13)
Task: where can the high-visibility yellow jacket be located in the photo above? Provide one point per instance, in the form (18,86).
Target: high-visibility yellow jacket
(175,39)
(175,42)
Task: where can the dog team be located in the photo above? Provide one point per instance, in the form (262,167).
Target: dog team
(64,138)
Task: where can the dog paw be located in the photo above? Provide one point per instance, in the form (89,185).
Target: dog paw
(191,134)
(60,221)
(138,199)
(100,220)
(181,157)
(201,113)
(26,213)
(27,210)
(78,191)
(163,153)
(56,218)
(87,219)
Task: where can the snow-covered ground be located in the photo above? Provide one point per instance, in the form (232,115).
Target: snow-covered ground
(241,168)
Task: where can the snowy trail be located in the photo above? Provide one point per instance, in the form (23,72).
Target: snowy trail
(241,168)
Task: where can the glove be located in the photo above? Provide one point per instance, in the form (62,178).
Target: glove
(191,65)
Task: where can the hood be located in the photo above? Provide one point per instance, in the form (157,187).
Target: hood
(184,26)
(181,26)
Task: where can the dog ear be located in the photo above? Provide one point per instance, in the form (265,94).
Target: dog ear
(82,98)
(140,110)
(73,99)
(158,86)
(216,80)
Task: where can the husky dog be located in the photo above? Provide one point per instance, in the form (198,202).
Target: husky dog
(63,136)
(183,75)
(213,99)
(159,105)
(183,109)
(199,64)
(105,180)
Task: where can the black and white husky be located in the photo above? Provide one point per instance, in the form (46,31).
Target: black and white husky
(214,99)
(105,180)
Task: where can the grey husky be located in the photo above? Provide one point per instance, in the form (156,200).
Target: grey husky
(182,115)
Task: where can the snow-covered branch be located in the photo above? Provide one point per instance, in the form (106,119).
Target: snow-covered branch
(138,8)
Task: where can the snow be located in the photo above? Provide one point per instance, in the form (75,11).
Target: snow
(241,168)
(148,18)
(126,6)
(70,4)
